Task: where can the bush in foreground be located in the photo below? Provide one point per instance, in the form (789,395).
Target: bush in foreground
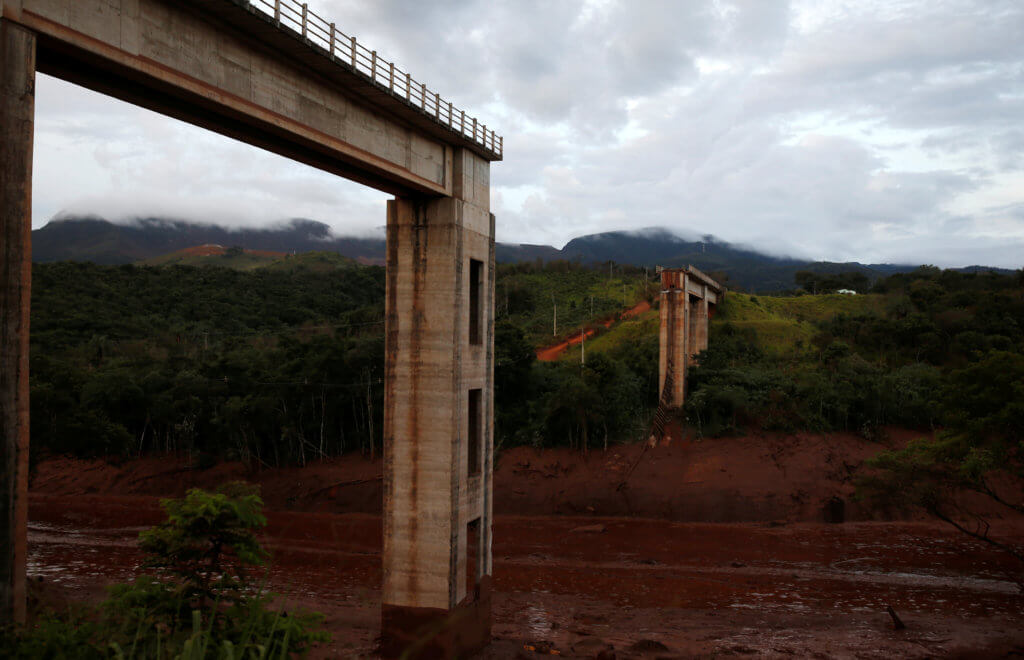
(199,602)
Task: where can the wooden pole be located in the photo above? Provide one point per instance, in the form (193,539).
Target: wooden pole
(17,113)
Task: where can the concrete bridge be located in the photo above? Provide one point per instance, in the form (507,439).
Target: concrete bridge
(688,298)
(274,74)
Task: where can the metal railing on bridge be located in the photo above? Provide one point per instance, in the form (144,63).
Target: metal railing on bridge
(346,51)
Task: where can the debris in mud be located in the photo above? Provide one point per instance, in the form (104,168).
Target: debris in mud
(592,646)
(647,646)
(542,648)
(589,529)
(897,622)
(835,510)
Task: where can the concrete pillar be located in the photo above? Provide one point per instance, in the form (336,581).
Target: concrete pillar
(438,426)
(673,336)
(681,339)
(702,324)
(666,311)
(17,109)
(692,333)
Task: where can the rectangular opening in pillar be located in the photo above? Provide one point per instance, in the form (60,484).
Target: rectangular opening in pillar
(476,272)
(472,559)
(475,432)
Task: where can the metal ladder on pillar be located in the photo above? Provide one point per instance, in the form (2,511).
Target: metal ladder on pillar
(663,413)
(661,418)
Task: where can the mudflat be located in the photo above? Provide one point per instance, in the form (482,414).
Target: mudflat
(577,577)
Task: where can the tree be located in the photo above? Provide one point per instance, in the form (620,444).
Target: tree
(207,543)
(980,451)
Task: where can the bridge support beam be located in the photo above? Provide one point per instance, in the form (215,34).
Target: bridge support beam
(675,317)
(438,419)
(17,110)
(687,295)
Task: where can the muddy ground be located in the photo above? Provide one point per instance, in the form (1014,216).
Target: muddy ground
(710,549)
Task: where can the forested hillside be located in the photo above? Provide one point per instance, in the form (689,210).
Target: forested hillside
(285,363)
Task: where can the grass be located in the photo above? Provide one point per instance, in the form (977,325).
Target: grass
(583,297)
(784,326)
(630,330)
(745,307)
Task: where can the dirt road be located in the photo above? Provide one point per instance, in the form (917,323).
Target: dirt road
(550,353)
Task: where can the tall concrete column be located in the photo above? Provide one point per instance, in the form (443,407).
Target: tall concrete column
(673,337)
(17,110)
(681,337)
(666,311)
(701,324)
(438,419)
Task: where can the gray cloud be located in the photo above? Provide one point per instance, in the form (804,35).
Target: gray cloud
(835,130)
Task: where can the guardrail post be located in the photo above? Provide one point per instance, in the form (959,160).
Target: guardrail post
(373,66)
(451,119)
(501,144)
(332,40)
(462,123)
(437,105)
(305,12)
(277,11)
(423,96)
(391,76)
(408,86)
(474,129)
(353,53)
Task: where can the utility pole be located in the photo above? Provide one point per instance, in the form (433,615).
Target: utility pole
(554,318)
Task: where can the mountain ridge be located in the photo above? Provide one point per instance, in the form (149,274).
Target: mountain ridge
(91,238)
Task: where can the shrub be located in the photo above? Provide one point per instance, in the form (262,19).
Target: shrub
(200,603)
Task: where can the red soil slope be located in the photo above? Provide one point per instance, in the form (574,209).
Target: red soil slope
(758,478)
(550,353)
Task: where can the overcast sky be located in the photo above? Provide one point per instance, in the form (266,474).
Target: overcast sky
(888,131)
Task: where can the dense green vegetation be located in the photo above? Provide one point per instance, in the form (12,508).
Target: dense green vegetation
(285,363)
(199,599)
(526,295)
(939,351)
(274,365)
(853,363)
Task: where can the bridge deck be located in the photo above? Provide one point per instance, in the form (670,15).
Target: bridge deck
(295,29)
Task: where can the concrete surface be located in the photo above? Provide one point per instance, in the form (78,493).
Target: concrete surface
(17,107)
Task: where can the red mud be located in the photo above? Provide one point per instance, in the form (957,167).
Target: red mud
(551,353)
(757,478)
(660,584)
